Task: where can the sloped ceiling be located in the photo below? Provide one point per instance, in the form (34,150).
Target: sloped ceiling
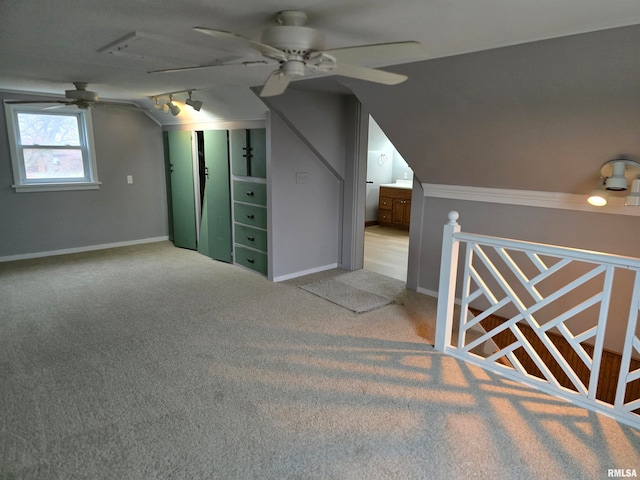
(45,45)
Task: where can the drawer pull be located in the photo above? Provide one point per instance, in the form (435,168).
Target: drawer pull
(251,216)
(250,194)
(251,239)
(251,260)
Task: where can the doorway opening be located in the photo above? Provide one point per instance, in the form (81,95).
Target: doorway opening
(387,207)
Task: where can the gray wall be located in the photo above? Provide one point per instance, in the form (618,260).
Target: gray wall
(304,228)
(126,143)
(538,116)
(310,132)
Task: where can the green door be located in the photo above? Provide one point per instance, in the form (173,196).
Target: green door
(183,208)
(215,226)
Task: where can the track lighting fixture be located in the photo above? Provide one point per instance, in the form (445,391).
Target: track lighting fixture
(173,108)
(195,104)
(616,175)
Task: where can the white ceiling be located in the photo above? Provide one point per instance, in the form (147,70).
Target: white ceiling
(46,45)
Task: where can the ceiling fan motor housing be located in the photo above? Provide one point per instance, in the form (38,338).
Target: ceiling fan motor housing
(83,95)
(294,40)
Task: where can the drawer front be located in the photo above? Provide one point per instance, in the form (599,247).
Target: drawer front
(385,203)
(251,259)
(251,237)
(250,192)
(384,216)
(250,214)
(395,192)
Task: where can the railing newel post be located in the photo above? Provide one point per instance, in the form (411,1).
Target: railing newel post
(447,282)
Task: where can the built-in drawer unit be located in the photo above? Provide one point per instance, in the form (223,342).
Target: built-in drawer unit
(252,259)
(251,237)
(254,215)
(250,192)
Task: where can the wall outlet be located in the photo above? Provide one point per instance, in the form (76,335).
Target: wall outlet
(302,177)
(129,179)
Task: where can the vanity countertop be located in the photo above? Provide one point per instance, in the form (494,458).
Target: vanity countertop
(405,186)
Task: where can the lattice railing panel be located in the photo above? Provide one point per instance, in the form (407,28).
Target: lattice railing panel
(538,313)
(484,279)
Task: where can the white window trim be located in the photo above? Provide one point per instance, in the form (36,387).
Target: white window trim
(19,184)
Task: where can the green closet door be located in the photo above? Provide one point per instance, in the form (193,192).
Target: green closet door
(182,193)
(258,144)
(240,162)
(215,226)
(249,152)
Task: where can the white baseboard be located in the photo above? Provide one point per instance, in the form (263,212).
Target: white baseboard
(88,248)
(424,291)
(290,276)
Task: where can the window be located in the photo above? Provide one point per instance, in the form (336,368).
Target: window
(51,148)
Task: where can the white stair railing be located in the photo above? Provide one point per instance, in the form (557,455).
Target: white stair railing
(538,314)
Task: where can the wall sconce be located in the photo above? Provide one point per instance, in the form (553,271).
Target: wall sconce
(173,108)
(617,174)
(599,197)
(195,104)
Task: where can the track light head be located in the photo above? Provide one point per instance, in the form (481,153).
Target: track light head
(195,104)
(173,108)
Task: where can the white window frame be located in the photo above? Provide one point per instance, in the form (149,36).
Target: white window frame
(85,125)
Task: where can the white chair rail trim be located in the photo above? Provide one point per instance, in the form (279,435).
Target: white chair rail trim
(528,198)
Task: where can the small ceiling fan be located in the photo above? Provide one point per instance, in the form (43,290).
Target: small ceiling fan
(299,49)
(81,98)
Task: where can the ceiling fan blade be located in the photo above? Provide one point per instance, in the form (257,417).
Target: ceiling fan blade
(130,106)
(369,74)
(36,101)
(381,54)
(246,63)
(266,50)
(276,84)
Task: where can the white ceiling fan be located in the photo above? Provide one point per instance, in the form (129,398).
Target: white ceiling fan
(81,98)
(300,49)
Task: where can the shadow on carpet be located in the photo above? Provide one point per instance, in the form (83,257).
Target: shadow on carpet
(359,291)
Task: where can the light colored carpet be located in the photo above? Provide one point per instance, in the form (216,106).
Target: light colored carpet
(359,291)
(153,362)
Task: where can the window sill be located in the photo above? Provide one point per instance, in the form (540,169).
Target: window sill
(56,187)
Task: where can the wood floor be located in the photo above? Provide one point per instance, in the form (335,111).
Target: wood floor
(386,251)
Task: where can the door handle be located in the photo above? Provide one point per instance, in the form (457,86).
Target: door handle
(251,239)
(250,216)
(250,194)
